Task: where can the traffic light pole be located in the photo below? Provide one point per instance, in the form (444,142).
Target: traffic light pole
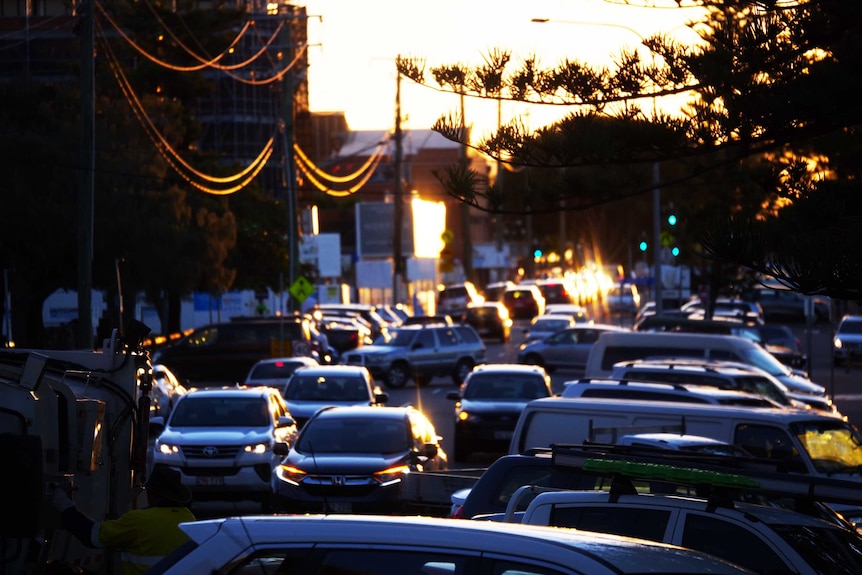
(656,242)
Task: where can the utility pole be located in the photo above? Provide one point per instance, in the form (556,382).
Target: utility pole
(86,180)
(657,248)
(290,179)
(398,211)
(465,206)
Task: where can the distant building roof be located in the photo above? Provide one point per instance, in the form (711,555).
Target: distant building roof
(363,142)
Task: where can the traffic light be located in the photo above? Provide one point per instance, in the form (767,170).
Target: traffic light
(675,251)
(671,219)
(537,254)
(643,246)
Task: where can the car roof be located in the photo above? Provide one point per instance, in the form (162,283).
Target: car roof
(332,370)
(764,513)
(257,390)
(310,361)
(362,411)
(575,388)
(507,368)
(606,553)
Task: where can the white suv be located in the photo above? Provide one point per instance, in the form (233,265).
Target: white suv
(762,538)
(658,391)
(221,441)
(391,545)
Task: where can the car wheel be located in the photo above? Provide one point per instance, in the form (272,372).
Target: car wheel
(397,376)
(462,369)
(462,450)
(534,359)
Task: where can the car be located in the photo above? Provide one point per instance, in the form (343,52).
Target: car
(428,320)
(489,403)
(623,298)
(546,325)
(167,389)
(579,312)
(354,459)
(524,301)
(494,290)
(656,391)
(453,299)
(780,304)
(222,441)
(763,538)
(741,309)
(368,312)
(223,353)
(275,371)
(567,349)
(490,319)
(718,373)
(683,442)
(311,388)
(847,343)
(558,290)
(385,545)
(421,352)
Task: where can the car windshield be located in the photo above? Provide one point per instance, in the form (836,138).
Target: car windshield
(354,435)
(321,387)
(826,550)
(834,447)
(221,412)
(759,357)
(553,324)
(504,387)
(850,327)
(400,337)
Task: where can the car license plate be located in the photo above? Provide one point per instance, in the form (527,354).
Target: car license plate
(340,507)
(503,434)
(210,481)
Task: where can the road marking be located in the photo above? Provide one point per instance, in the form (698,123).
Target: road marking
(848,397)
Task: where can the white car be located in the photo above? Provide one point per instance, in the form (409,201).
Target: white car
(546,325)
(221,441)
(390,545)
(847,344)
(313,387)
(167,389)
(762,538)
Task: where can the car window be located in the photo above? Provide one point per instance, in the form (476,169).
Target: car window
(641,523)
(426,340)
(394,562)
(768,442)
(851,327)
(468,334)
(731,542)
(354,435)
(501,386)
(448,337)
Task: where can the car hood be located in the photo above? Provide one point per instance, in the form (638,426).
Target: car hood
(305,409)
(473,406)
(374,349)
(344,463)
(800,384)
(214,435)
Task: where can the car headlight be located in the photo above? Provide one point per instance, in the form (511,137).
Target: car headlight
(837,343)
(391,475)
(257,448)
(291,474)
(168,449)
(468,417)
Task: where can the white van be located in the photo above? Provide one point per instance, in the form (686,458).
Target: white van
(614,347)
(801,441)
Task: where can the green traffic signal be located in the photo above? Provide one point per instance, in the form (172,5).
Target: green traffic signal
(671,219)
(675,251)
(537,253)
(643,246)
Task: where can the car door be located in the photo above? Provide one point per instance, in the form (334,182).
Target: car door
(424,352)
(447,352)
(732,540)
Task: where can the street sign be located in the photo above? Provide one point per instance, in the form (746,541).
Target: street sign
(301,289)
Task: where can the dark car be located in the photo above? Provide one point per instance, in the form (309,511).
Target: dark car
(354,459)
(558,290)
(311,388)
(489,403)
(225,352)
(490,319)
(524,301)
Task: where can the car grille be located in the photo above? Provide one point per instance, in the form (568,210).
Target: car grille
(338,486)
(210,471)
(211,451)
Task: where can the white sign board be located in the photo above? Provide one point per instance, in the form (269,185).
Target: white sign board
(323,251)
(374,274)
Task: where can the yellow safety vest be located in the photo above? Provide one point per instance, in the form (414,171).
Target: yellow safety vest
(144,536)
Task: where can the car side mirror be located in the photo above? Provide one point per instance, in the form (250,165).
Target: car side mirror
(285,421)
(156,426)
(381,398)
(281,448)
(454,395)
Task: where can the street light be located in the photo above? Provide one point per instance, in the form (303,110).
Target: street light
(584,23)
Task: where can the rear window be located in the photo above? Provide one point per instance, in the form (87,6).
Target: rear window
(616,354)
(468,334)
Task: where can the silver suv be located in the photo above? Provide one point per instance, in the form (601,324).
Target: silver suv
(847,344)
(221,441)
(657,391)
(420,353)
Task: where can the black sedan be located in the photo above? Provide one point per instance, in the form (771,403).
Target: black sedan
(490,319)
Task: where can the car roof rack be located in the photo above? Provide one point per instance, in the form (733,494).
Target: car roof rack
(716,474)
